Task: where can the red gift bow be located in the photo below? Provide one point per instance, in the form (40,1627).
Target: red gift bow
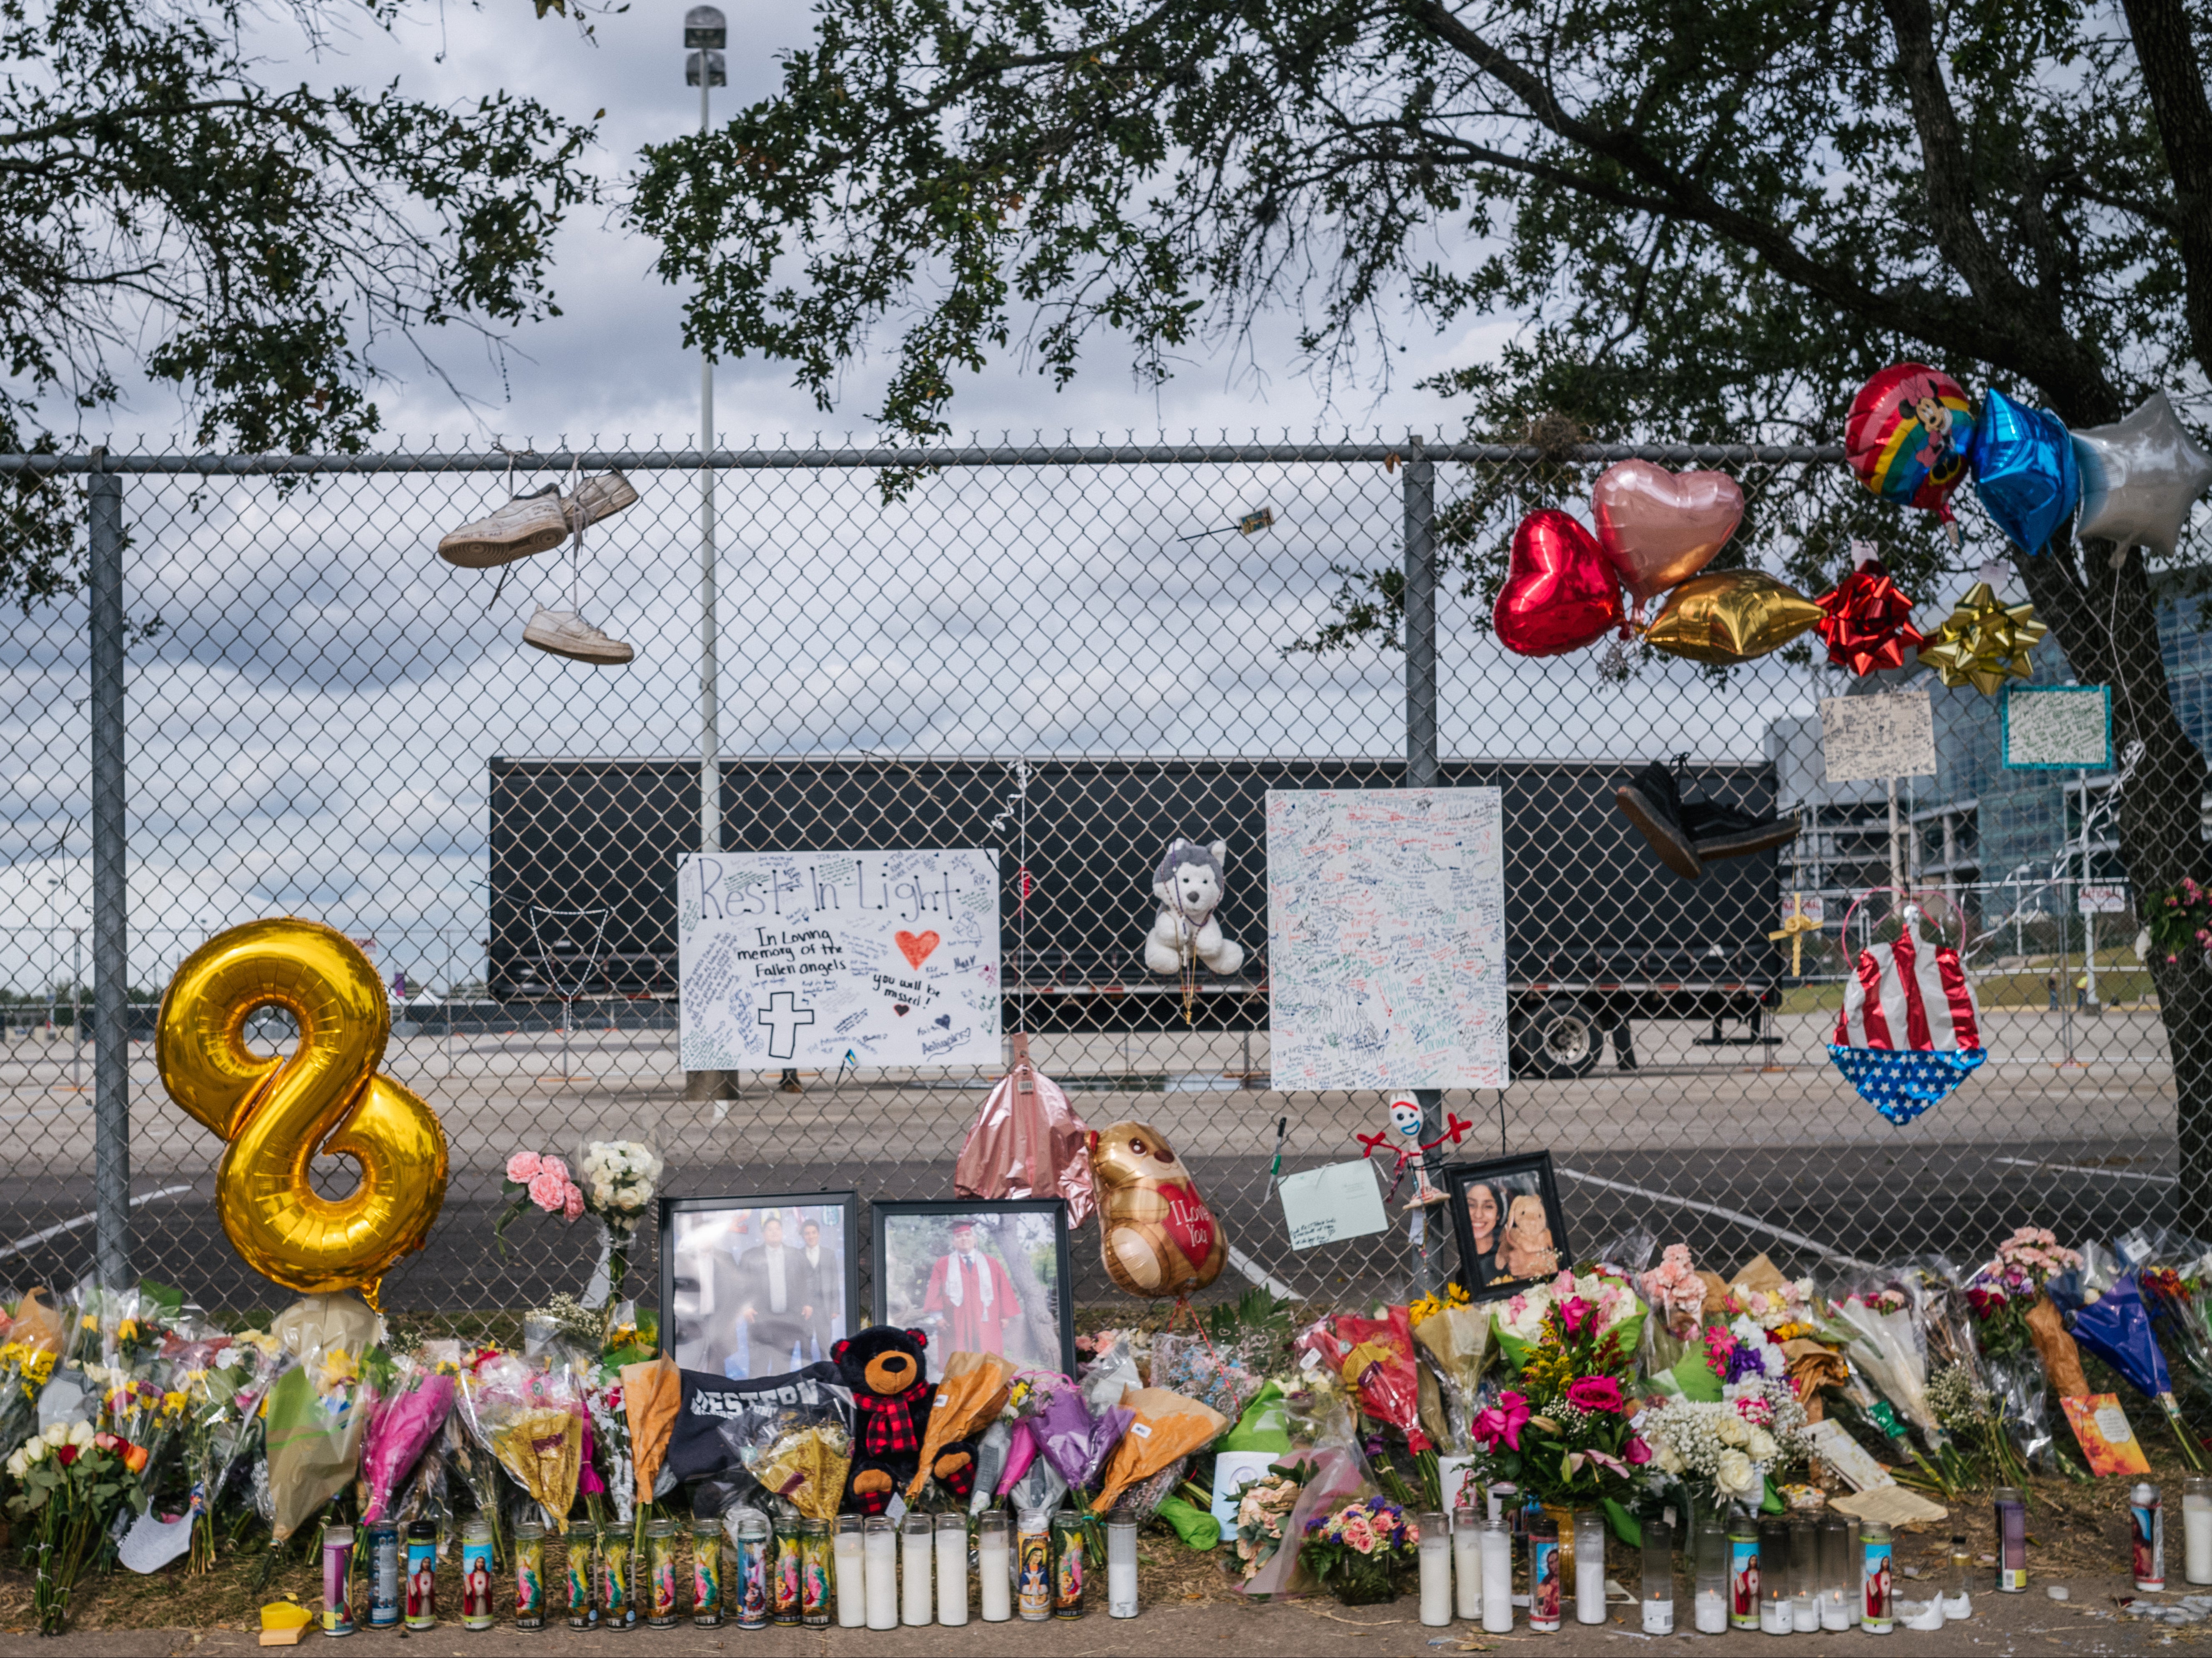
(1865,622)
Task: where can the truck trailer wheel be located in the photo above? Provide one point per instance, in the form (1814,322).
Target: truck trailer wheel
(1561,1039)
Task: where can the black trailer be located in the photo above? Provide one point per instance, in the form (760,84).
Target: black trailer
(1600,935)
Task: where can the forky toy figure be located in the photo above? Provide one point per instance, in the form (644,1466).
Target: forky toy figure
(1406,1123)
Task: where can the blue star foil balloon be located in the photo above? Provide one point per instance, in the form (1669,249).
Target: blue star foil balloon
(2139,477)
(2024,470)
(1902,1082)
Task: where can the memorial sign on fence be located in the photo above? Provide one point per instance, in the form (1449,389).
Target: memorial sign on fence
(1386,937)
(797,958)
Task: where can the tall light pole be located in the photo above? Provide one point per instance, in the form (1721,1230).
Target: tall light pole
(705,31)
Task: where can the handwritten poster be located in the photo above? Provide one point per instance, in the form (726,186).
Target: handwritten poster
(799,958)
(1868,738)
(1386,937)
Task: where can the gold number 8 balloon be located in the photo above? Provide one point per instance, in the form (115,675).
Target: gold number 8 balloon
(277,1112)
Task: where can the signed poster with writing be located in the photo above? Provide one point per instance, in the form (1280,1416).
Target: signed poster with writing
(799,958)
(1386,937)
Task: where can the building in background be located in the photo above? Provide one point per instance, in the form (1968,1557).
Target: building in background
(2008,845)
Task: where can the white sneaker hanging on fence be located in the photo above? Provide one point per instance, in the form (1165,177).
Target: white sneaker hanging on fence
(563,632)
(599,497)
(529,524)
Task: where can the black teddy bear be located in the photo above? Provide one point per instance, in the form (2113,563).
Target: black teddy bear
(884,1369)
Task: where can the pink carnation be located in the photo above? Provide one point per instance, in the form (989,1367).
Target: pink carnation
(547,1190)
(554,1166)
(522,1168)
(572,1201)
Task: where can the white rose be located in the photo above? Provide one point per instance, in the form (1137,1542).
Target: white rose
(80,1434)
(630,1200)
(1762,1446)
(34,1454)
(1669,1459)
(1774,1361)
(55,1434)
(1734,1474)
(1731,1430)
(18,1468)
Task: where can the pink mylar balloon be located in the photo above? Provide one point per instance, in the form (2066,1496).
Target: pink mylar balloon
(1560,593)
(1659,528)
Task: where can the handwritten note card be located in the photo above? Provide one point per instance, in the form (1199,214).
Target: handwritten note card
(1326,1206)
(1867,738)
(795,958)
(2053,727)
(1386,937)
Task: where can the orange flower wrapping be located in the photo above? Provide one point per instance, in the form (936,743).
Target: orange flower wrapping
(1864,621)
(2062,1359)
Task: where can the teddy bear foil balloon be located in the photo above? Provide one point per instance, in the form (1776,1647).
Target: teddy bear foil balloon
(1189,886)
(1156,1235)
(892,1396)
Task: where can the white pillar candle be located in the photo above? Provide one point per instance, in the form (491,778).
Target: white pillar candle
(880,1566)
(951,1569)
(994,1573)
(917,1561)
(2197,1530)
(1711,1612)
(1121,1566)
(1467,1562)
(1436,1572)
(852,1591)
(1496,1577)
(1590,1568)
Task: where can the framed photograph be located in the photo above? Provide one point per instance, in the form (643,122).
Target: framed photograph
(754,1286)
(1506,1216)
(978,1277)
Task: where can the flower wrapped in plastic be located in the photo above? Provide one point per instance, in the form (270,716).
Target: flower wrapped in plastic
(1375,1357)
(2024,1349)
(2116,1328)
(1886,1344)
(534,1422)
(1729,1450)
(409,1402)
(25,1369)
(1264,1504)
(1675,1291)
(67,1488)
(1456,1343)
(223,1428)
(1189,1366)
(316,1419)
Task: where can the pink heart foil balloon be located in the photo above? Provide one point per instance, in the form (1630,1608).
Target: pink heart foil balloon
(1559,593)
(1659,528)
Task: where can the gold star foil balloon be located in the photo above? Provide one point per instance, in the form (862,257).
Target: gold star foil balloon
(1731,616)
(1983,643)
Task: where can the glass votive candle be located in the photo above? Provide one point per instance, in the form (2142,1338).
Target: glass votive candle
(917,1565)
(994,1573)
(879,1549)
(852,1586)
(1496,1577)
(1121,1565)
(1658,1578)
(1467,1562)
(1835,1587)
(1774,1577)
(952,1569)
(1436,1570)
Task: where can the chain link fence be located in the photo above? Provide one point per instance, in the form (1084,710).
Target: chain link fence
(319,717)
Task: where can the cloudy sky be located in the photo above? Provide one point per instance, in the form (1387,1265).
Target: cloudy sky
(311,729)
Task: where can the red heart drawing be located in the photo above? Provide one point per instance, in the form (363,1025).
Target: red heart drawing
(916,947)
(1559,593)
(1659,528)
(901,1009)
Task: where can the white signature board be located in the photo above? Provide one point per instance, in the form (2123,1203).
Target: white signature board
(1386,937)
(799,958)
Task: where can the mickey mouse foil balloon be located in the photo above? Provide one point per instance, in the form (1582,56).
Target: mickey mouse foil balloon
(1158,1238)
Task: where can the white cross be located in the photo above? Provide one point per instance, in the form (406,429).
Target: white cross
(783,1019)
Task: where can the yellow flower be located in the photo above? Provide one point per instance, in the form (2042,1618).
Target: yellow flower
(340,1369)
(127,1331)
(87,1323)
(173,1404)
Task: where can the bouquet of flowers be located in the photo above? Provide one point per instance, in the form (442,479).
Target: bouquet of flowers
(533,1423)
(25,1370)
(615,1465)
(223,1426)
(1375,1357)
(1973,1415)
(1454,1341)
(407,1404)
(1676,1292)
(2116,1328)
(315,1418)
(1564,1435)
(1726,1450)
(1263,1509)
(614,1183)
(2014,1324)
(1363,1552)
(1884,1343)
(67,1489)
(138,1422)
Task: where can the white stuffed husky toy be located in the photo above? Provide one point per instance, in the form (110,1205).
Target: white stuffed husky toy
(1189,886)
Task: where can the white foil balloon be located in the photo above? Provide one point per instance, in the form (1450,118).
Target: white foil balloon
(2139,478)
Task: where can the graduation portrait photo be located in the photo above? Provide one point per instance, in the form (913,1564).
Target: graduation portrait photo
(978,1277)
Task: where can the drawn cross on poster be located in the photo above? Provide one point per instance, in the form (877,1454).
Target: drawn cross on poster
(783,1018)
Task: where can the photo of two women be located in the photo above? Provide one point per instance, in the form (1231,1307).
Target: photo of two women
(1505,1223)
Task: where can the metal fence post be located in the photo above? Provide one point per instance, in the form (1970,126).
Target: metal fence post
(110,952)
(1420,507)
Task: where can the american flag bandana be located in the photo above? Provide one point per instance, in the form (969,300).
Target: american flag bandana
(1909,1032)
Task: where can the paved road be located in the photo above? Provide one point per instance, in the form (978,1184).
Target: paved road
(1702,1143)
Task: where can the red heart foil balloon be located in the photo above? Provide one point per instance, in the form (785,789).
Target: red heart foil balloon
(1560,593)
(1659,528)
